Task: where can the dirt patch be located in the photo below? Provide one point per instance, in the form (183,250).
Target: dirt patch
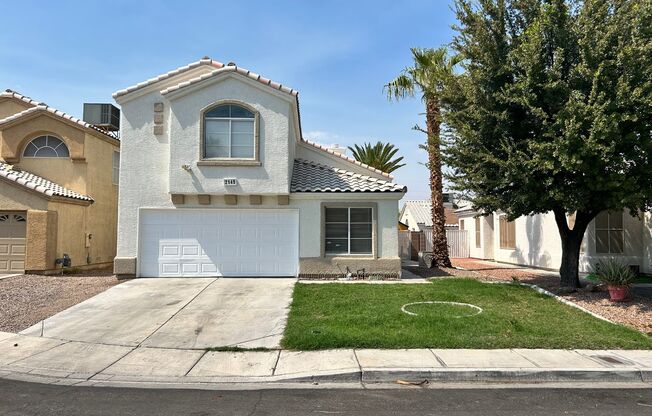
(637,312)
(28,299)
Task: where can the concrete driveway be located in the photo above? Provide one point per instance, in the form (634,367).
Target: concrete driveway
(178,313)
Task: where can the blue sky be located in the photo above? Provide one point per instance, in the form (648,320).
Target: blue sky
(338,54)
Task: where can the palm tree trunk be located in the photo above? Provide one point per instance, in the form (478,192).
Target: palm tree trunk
(439,243)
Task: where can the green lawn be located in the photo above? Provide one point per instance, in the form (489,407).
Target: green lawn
(369,316)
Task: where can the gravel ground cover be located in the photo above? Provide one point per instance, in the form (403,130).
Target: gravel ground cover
(28,299)
(637,312)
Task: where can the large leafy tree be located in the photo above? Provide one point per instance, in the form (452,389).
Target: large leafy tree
(553,112)
(426,77)
(379,156)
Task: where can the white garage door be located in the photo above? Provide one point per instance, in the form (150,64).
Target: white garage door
(225,242)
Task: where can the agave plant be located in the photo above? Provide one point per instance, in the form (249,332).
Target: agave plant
(613,272)
(379,156)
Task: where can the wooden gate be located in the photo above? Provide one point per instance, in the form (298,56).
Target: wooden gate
(410,243)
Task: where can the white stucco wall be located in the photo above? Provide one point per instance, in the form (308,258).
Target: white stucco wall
(151,164)
(538,243)
(408,219)
(272,177)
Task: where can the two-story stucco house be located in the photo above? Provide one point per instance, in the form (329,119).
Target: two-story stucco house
(58,188)
(216,180)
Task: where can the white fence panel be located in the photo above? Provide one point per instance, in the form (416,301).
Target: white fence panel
(458,243)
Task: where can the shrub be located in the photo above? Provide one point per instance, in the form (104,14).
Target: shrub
(613,272)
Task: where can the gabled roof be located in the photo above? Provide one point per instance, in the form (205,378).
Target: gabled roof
(421,211)
(39,184)
(348,159)
(309,176)
(14,94)
(219,68)
(39,107)
(231,68)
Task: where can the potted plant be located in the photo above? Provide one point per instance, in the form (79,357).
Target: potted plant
(617,276)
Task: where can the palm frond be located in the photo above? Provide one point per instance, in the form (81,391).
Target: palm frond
(379,156)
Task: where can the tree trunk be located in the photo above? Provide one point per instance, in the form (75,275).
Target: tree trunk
(571,242)
(439,243)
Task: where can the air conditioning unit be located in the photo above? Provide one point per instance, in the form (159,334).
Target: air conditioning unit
(104,116)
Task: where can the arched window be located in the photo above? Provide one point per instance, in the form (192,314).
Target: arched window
(229,133)
(46,146)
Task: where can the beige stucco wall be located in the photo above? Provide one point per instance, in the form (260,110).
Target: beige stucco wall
(16,135)
(91,174)
(11,106)
(41,245)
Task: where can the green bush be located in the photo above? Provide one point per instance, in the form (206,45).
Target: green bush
(613,272)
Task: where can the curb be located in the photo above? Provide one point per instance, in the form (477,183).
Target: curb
(373,376)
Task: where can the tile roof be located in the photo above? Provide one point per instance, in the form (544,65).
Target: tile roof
(348,159)
(10,93)
(38,106)
(309,176)
(232,68)
(39,184)
(219,68)
(422,213)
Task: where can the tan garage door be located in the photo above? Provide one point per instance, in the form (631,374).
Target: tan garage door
(12,241)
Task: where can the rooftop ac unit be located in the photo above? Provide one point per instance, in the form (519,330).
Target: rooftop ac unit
(105,116)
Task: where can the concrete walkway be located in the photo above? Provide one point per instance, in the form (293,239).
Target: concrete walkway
(51,360)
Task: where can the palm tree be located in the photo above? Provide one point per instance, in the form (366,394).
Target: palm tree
(378,156)
(431,68)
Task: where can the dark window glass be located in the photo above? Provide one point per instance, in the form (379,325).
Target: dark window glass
(361,246)
(337,215)
(337,246)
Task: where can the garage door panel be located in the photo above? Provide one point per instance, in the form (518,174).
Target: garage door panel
(219,243)
(13,229)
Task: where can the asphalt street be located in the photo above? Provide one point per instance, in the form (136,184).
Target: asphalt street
(19,398)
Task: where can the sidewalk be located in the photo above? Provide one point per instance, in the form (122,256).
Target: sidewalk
(49,360)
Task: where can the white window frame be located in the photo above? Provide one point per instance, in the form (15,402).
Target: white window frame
(47,138)
(348,223)
(228,161)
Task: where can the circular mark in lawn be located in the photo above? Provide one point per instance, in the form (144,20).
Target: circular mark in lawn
(472,309)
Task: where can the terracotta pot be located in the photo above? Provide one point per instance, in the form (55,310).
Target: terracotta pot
(618,293)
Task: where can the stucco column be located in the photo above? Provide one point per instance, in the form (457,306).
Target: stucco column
(41,246)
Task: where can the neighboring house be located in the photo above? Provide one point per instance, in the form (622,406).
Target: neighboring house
(534,240)
(58,188)
(216,180)
(417,215)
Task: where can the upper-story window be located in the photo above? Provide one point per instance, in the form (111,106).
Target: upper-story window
(229,133)
(46,146)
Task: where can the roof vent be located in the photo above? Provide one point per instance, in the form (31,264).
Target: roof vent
(231,64)
(104,116)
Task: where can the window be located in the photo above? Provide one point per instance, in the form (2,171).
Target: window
(477,233)
(609,233)
(348,230)
(507,233)
(229,133)
(462,225)
(116,167)
(46,146)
